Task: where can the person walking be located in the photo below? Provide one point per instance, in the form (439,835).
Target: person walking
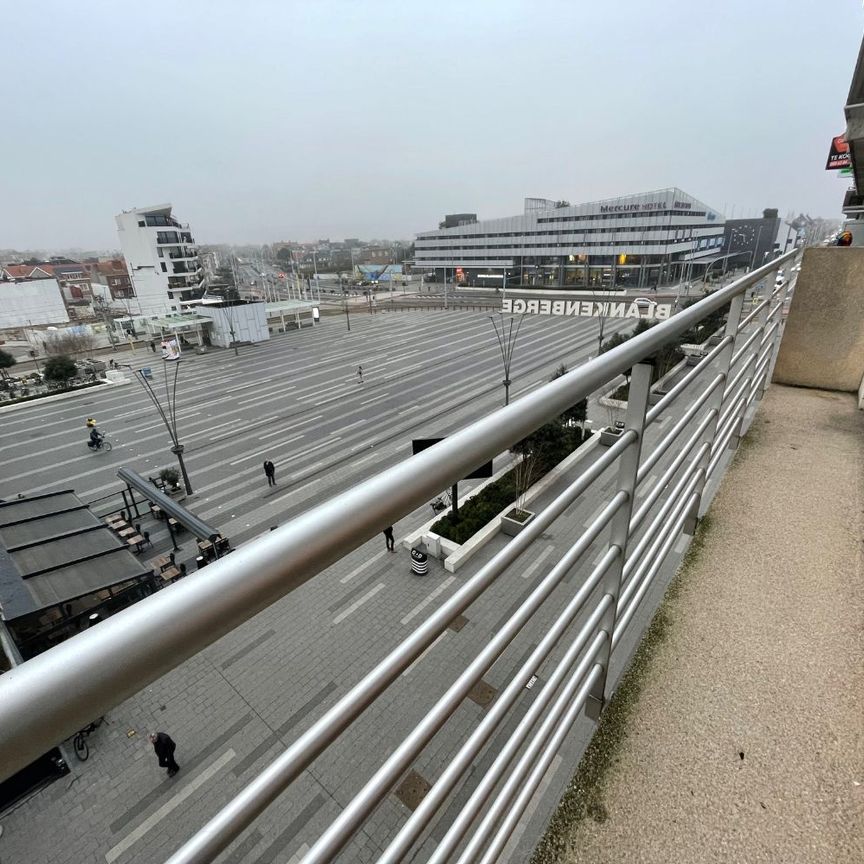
(388,537)
(270,471)
(360,373)
(164,747)
(152,346)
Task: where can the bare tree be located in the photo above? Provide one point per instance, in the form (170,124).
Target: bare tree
(69,344)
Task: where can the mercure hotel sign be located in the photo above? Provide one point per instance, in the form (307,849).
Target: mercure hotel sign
(587,308)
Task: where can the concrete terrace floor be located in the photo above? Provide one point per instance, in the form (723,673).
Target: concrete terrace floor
(746,739)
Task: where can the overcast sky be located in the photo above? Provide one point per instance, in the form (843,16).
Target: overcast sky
(264,120)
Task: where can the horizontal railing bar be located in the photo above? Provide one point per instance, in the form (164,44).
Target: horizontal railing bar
(753,313)
(252,800)
(661,518)
(729,417)
(352,815)
(530,786)
(733,384)
(666,442)
(626,616)
(568,702)
(743,349)
(721,442)
(690,480)
(655,411)
(766,336)
(418,820)
(669,473)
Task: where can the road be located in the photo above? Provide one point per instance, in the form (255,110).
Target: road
(295,400)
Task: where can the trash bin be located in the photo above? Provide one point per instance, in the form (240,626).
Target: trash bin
(419,561)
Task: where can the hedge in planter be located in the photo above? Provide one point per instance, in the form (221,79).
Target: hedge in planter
(478,511)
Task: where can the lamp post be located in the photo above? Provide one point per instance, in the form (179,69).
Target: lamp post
(168,414)
(345,302)
(506,342)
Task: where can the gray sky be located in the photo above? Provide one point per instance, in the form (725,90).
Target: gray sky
(264,120)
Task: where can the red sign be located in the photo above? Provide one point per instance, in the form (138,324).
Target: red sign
(838,156)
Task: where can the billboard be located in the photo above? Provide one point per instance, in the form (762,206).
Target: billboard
(170,349)
(838,155)
(420,444)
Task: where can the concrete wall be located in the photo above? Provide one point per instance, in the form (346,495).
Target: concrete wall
(823,345)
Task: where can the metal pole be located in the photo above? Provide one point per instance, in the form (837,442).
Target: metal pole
(628,468)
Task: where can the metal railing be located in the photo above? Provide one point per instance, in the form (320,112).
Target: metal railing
(52,695)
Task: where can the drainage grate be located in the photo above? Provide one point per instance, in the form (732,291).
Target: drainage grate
(482,693)
(412,790)
(458,623)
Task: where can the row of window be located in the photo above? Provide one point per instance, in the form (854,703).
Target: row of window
(702,243)
(636,214)
(568,232)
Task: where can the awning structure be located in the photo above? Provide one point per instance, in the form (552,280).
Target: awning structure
(54,550)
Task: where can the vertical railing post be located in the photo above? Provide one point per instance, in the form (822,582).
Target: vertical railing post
(628,467)
(778,335)
(761,322)
(715,404)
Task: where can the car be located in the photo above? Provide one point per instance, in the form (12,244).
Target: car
(645,302)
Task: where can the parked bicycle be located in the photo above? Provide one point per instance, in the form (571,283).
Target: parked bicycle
(442,502)
(79,742)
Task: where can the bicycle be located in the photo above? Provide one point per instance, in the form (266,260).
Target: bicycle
(79,742)
(442,502)
(104,444)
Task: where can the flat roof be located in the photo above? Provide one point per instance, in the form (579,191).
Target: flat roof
(53,549)
(290,306)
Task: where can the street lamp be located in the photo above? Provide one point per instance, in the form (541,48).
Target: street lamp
(345,302)
(506,342)
(168,414)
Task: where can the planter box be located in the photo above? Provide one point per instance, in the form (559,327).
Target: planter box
(511,526)
(609,436)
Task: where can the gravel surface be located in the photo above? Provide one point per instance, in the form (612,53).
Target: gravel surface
(745,744)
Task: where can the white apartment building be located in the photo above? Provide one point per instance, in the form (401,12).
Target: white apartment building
(639,241)
(162,260)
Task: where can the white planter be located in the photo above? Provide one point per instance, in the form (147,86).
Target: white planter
(510,526)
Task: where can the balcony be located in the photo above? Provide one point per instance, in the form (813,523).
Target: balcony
(778,598)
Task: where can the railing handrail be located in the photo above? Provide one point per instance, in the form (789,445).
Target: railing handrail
(49,697)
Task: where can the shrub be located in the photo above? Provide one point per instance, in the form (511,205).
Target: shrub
(59,371)
(170,477)
(6,362)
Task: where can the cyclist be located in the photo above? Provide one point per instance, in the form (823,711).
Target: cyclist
(95,442)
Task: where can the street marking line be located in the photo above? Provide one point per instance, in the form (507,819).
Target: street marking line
(529,571)
(257,453)
(427,600)
(440,637)
(358,603)
(349,576)
(293,427)
(178,798)
(364,459)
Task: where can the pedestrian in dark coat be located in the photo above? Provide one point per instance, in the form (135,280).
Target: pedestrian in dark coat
(388,536)
(270,471)
(152,346)
(360,373)
(164,747)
